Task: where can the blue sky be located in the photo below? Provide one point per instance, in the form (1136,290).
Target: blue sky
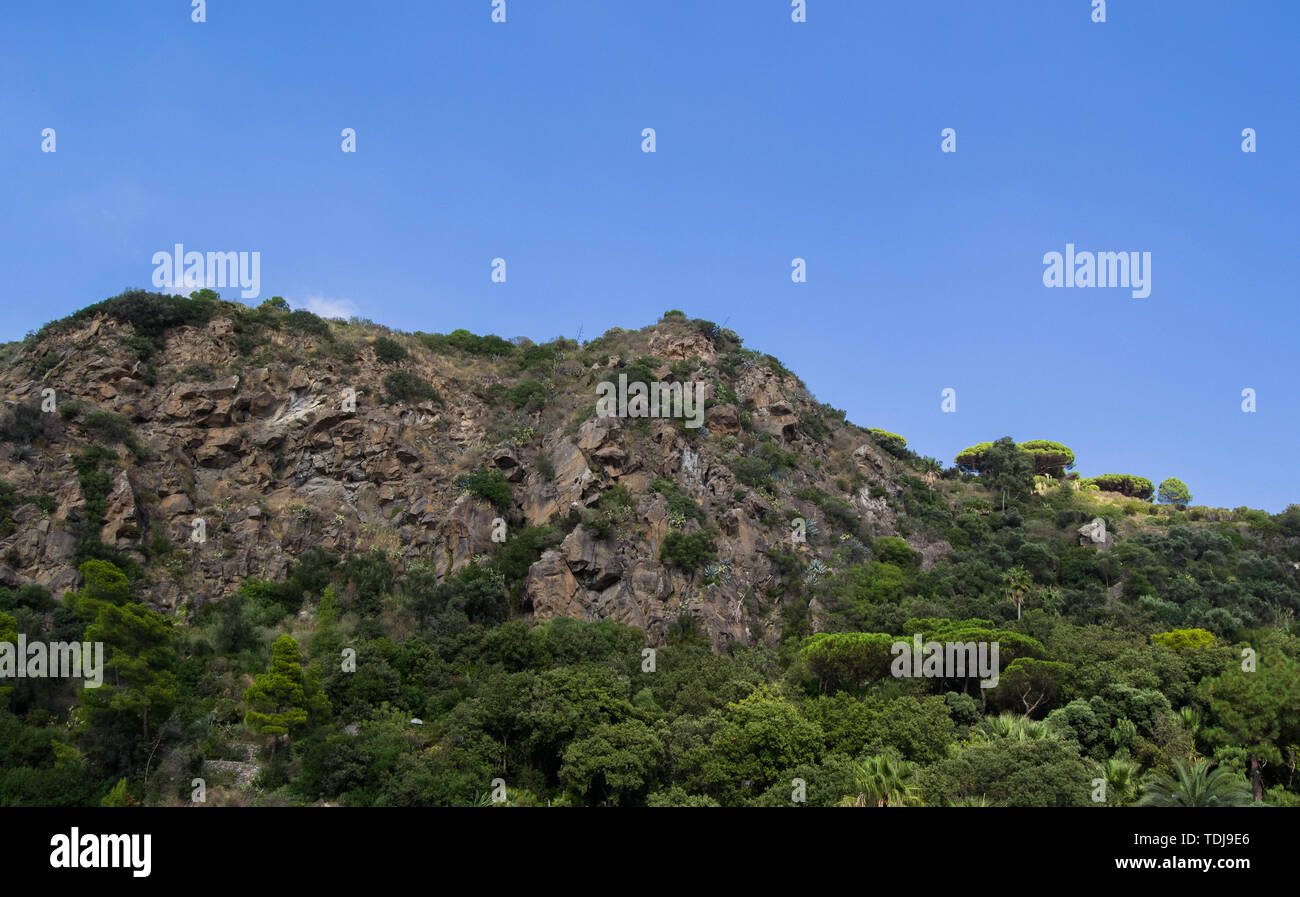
(774,141)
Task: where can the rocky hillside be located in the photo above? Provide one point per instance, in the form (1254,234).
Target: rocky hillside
(198,443)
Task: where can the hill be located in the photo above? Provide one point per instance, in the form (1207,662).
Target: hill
(253,482)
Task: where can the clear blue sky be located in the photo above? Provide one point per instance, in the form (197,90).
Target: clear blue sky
(775,140)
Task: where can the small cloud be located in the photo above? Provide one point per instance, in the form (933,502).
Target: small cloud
(327,307)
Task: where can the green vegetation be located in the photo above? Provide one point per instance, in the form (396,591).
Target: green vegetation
(388,351)
(1174,491)
(402,386)
(1125,484)
(688,551)
(1166,663)
(464,341)
(488,484)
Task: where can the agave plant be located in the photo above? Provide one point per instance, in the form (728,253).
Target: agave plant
(718,571)
(815,571)
(1198,784)
(972,800)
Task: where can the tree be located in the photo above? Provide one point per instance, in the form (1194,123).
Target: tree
(1200,784)
(1019,582)
(1174,491)
(847,659)
(138,679)
(616,761)
(1050,458)
(761,737)
(1256,710)
(1028,678)
(1125,484)
(280,701)
(1040,772)
(971,458)
(1007,470)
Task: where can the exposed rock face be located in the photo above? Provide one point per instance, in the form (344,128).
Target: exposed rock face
(1095,534)
(244,462)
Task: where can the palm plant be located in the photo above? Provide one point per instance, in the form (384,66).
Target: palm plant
(1012,727)
(1121,775)
(1019,582)
(1198,784)
(885,780)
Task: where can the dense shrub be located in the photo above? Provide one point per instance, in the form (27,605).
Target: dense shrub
(389,351)
(678,501)
(302,321)
(688,551)
(464,341)
(527,394)
(488,484)
(402,386)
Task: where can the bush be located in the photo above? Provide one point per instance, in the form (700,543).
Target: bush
(488,484)
(107,427)
(678,501)
(200,371)
(527,394)
(688,551)
(389,351)
(464,341)
(24,424)
(896,551)
(401,386)
(303,321)
(150,315)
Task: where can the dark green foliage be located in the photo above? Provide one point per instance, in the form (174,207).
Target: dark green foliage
(403,386)
(304,322)
(688,551)
(25,424)
(527,394)
(489,484)
(151,315)
(464,341)
(763,465)
(389,351)
(108,428)
(678,501)
(896,551)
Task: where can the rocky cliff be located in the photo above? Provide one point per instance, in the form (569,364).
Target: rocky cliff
(233,439)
